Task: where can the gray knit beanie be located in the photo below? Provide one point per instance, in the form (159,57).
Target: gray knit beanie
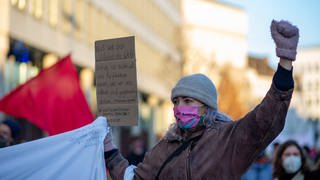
(197,86)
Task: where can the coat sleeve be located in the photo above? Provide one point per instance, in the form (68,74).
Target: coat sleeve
(117,165)
(152,161)
(254,132)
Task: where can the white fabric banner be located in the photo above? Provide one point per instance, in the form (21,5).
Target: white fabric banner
(76,154)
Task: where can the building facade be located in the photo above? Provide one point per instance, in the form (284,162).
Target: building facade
(173,38)
(51,29)
(307,76)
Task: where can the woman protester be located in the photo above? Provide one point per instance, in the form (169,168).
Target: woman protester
(204,143)
(290,163)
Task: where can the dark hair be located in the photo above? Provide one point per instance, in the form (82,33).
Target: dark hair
(278,170)
(14,127)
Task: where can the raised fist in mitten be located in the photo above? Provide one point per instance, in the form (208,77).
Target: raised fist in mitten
(286,37)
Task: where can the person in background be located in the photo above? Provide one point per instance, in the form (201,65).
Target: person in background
(204,143)
(290,163)
(137,151)
(260,169)
(316,171)
(9,132)
(275,148)
(309,159)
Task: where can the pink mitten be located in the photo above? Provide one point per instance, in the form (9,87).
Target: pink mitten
(286,37)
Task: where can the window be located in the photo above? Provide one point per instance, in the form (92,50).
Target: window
(14,2)
(53,12)
(38,8)
(35,8)
(67,15)
(90,23)
(22,4)
(80,5)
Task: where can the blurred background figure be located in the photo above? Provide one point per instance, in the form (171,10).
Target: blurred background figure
(9,132)
(260,169)
(310,158)
(137,151)
(275,148)
(290,163)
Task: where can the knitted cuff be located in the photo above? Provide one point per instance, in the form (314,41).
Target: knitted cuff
(286,53)
(283,79)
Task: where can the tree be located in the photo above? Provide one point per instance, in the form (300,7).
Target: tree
(232,92)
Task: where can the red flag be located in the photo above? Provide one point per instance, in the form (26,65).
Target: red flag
(53,100)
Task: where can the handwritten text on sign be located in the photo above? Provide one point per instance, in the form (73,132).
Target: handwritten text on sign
(117,80)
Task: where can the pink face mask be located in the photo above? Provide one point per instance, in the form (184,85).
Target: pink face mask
(187,117)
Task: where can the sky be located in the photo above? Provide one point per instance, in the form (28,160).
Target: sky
(305,14)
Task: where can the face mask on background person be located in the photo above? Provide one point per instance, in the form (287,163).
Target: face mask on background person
(292,164)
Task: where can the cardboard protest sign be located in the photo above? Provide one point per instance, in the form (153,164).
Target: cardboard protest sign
(116,80)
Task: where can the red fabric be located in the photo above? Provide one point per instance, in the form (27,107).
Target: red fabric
(53,100)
